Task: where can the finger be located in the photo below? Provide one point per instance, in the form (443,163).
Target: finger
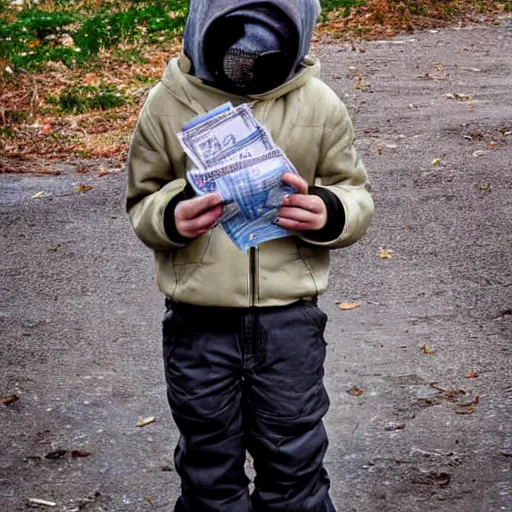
(195,207)
(297,214)
(296,181)
(310,203)
(204,221)
(294,225)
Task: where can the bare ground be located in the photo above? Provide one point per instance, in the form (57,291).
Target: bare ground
(80,315)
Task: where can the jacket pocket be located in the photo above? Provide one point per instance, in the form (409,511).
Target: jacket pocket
(193,252)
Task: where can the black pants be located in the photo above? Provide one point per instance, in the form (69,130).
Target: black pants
(248,379)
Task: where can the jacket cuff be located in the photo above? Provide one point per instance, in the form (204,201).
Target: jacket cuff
(169,219)
(336,217)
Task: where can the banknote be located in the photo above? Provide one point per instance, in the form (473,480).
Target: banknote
(232,134)
(236,157)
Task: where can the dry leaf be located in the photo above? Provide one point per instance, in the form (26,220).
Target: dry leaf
(57,454)
(492,145)
(83,188)
(149,499)
(145,421)
(355,391)
(80,454)
(9,400)
(385,254)
(38,195)
(484,187)
(472,375)
(349,306)
(45,129)
(427,350)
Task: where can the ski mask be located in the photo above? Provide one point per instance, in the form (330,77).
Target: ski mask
(251,51)
(248,47)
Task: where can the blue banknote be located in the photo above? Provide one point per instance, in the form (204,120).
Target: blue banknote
(236,157)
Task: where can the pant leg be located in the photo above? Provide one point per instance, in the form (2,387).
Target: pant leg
(203,374)
(286,401)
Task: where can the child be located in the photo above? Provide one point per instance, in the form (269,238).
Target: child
(243,336)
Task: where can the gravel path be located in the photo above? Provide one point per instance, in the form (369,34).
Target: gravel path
(80,315)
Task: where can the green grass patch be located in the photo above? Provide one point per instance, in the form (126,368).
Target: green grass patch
(33,36)
(83,98)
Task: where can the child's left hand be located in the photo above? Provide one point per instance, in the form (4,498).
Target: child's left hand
(301,211)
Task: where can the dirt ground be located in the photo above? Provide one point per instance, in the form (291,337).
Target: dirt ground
(80,314)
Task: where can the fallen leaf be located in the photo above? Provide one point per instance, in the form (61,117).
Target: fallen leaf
(380,148)
(83,188)
(436,161)
(427,350)
(80,454)
(349,306)
(149,499)
(507,134)
(484,187)
(45,129)
(145,421)
(469,410)
(355,391)
(54,247)
(57,454)
(108,172)
(492,145)
(38,195)
(385,254)
(472,375)
(9,400)
(44,503)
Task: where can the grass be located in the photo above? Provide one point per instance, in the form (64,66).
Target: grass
(81,98)
(74,33)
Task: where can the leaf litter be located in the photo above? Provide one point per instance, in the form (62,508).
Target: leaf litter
(355,391)
(349,306)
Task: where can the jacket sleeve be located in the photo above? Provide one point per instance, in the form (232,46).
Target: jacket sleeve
(341,171)
(151,184)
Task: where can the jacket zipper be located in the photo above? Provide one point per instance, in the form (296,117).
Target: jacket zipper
(253,270)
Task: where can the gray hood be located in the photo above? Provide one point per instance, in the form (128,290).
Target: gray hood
(303,15)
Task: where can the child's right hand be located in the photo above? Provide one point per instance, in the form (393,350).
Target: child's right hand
(195,217)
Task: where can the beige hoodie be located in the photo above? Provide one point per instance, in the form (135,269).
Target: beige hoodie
(309,122)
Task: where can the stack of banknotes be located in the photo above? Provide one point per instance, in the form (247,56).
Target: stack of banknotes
(236,157)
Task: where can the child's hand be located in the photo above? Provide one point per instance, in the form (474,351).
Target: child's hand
(195,217)
(301,212)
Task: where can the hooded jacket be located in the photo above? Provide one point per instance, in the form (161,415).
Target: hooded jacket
(308,121)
